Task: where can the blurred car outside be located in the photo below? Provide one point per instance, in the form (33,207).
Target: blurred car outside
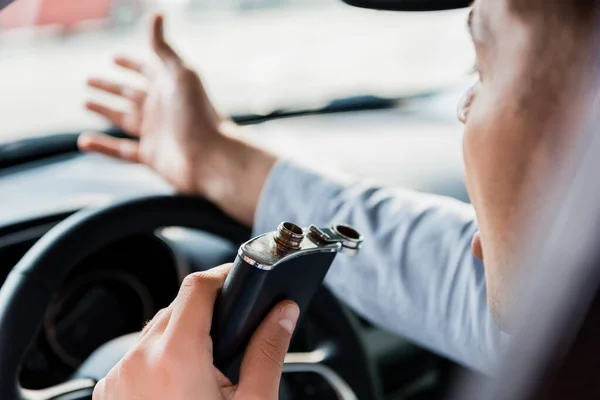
(65,16)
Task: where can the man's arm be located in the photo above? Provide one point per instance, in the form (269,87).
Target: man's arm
(415,274)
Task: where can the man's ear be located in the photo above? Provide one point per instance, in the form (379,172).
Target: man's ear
(476,246)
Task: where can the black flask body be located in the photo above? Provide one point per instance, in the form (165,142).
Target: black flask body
(250,293)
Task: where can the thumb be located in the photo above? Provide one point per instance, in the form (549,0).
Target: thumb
(161,47)
(260,372)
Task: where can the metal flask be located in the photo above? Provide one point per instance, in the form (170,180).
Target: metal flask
(287,264)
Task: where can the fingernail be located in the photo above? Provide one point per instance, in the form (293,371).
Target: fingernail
(289,317)
(83,138)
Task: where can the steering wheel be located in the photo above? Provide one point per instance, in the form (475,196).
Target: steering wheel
(34,280)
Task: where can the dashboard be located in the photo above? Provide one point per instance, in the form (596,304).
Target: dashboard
(127,282)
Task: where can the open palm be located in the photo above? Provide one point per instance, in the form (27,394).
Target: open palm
(173,123)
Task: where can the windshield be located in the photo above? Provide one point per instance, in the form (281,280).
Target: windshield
(254,55)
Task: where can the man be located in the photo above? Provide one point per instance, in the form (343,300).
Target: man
(420,273)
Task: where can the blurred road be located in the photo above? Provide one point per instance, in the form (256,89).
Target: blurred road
(250,61)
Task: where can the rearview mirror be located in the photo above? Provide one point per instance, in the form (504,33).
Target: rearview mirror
(410,5)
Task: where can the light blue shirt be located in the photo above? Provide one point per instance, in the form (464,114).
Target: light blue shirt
(415,275)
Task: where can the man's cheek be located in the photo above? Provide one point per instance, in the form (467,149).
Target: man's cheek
(477,183)
(471,153)
(482,132)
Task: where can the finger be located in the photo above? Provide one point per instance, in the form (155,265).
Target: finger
(128,92)
(222,381)
(99,390)
(193,308)
(260,372)
(160,45)
(123,149)
(133,65)
(158,324)
(127,121)
(227,388)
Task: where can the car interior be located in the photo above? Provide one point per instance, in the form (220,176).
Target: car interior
(92,248)
(133,276)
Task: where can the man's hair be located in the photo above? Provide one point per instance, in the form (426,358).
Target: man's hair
(564,34)
(576,15)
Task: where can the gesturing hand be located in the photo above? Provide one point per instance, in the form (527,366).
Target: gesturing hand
(177,125)
(181,136)
(173,356)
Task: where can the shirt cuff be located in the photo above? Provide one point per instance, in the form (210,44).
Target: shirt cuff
(295,194)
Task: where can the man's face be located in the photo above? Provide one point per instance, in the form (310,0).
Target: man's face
(505,154)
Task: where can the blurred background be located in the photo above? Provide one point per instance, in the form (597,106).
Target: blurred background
(257,56)
(254,55)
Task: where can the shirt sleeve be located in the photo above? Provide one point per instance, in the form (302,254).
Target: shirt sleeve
(415,274)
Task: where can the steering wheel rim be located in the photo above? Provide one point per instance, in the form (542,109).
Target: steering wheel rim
(34,280)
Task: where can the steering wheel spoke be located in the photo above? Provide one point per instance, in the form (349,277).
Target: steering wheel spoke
(78,389)
(315,362)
